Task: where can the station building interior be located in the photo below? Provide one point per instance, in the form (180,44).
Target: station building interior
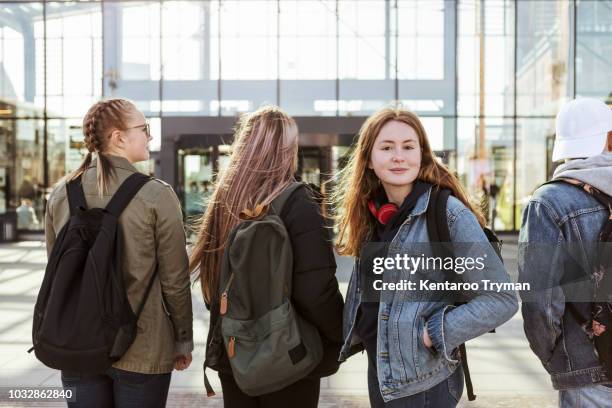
(487,77)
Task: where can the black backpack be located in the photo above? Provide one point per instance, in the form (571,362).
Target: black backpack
(437,229)
(83,321)
(601,305)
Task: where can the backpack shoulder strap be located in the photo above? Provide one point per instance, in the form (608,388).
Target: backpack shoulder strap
(279,202)
(438,231)
(76,196)
(432,222)
(601,197)
(437,223)
(125,193)
(441,215)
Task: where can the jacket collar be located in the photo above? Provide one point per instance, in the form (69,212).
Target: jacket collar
(421,205)
(116,161)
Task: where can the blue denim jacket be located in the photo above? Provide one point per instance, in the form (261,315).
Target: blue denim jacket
(559,231)
(405,366)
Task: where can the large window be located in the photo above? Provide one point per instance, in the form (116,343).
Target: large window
(190,57)
(542,56)
(364,57)
(22,84)
(248,53)
(24,172)
(485,53)
(420,39)
(308,57)
(22,102)
(423,52)
(594,49)
(486,168)
(362,26)
(307,39)
(543,82)
(73,57)
(485,105)
(132,59)
(486,76)
(533,167)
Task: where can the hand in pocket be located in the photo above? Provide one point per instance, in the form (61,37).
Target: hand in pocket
(426,339)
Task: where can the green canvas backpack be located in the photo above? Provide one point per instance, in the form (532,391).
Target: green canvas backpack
(268,344)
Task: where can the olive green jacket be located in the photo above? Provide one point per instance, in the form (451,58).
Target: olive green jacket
(153,236)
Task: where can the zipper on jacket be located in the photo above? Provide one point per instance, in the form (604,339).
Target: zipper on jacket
(223,301)
(358,273)
(223,306)
(231,347)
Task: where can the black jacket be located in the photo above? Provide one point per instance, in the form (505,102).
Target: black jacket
(315,294)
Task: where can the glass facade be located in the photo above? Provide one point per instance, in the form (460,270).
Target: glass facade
(486,76)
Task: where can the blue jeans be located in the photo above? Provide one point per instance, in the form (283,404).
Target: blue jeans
(117,389)
(592,396)
(444,395)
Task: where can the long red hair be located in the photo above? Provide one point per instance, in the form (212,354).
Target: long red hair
(358,184)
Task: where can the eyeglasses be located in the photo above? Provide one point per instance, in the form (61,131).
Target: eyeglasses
(144,127)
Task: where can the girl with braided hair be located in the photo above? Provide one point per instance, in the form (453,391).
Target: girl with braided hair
(116,136)
(102,127)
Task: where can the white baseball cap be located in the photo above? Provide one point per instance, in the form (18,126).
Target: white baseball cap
(582,128)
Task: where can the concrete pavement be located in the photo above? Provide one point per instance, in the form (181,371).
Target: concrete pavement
(504,371)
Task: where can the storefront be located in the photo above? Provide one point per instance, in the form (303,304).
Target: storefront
(487,77)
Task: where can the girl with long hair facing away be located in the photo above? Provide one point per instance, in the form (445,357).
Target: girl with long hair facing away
(410,336)
(154,255)
(262,165)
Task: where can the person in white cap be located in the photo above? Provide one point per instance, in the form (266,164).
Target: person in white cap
(584,128)
(558,253)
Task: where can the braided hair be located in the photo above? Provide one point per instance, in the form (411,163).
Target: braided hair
(98,124)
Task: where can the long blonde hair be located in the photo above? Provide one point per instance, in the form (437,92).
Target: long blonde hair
(358,184)
(263,162)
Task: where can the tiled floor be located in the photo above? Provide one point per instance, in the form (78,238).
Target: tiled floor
(504,371)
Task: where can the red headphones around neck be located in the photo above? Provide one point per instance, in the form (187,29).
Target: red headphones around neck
(382,213)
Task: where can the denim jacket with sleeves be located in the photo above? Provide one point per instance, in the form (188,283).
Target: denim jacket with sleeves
(557,244)
(405,366)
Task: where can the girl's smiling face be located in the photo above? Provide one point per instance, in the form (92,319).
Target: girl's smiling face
(396,156)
